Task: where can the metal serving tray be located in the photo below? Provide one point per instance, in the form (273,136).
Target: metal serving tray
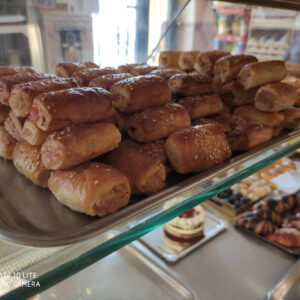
(288,287)
(30,215)
(153,240)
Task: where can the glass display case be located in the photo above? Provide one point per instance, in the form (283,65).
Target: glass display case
(56,31)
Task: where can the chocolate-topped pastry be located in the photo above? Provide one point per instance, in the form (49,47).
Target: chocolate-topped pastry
(266,214)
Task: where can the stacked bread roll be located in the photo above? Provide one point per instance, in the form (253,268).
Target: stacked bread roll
(63,131)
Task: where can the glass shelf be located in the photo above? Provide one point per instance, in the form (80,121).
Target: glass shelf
(51,265)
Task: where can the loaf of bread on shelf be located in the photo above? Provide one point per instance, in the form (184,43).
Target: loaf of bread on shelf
(259,73)
(83,77)
(204,121)
(275,96)
(27,160)
(137,93)
(7,143)
(11,70)
(166,73)
(205,61)
(292,118)
(14,125)
(202,106)
(246,137)
(146,175)
(191,84)
(293,69)
(67,69)
(231,121)
(187,60)
(128,68)
(4,111)
(8,82)
(142,69)
(233,94)
(169,58)
(253,115)
(33,134)
(108,80)
(22,95)
(197,148)
(227,67)
(56,110)
(157,122)
(295,83)
(92,188)
(79,143)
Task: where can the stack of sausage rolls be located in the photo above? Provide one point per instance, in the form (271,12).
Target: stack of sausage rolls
(63,131)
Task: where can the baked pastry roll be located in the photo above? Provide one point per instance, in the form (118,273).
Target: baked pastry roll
(246,137)
(202,106)
(293,69)
(22,95)
(191,84)
(137,93)
(157,122)
(55,110)
(197,148)
(142,69)
(292,118)
(229,121)
(169,58)
(27,160)
(108,80)
(128,68)
(205,61)
(83,77)
(14,126)
(67,69)
(227,67)
(8,82)
(92,188)
(166,73)
(7,143)
(259,73)
(146,174)
(79,143)
(233,94)
(121,120)
(295,83)
(4,111)
(34,135)
(187,60)
(11,70)
(254,115)
(204,121)
(274,97)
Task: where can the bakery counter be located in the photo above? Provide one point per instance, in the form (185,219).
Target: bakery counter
(231,266)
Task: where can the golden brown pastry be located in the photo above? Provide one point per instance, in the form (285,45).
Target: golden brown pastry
(14,126)
(55,110)
(108,80)
(229,121)
(166,73)
(121,120)
(157,122)
(205,61)
(227,67)
(27,160)
(233,94)
(187,60)
(191,84)
(292,118)
(8,82)
(254,115)
(274,97)
(128,68)
(202,106)
(34,135)
(11,70)
(67,69)
(266,214)
(246,137)
(142,69)
(295,83)
(146,175)
(204,121)
(22,95)
(256,224)
(83,77)
(278,206)
(197,148)
(259,73)
(4,111)
(79,143)
(169,58)
(293,69)
(137,93)
(91,188)
(7,143)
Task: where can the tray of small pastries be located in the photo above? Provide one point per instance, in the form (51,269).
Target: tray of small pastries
(88,147)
